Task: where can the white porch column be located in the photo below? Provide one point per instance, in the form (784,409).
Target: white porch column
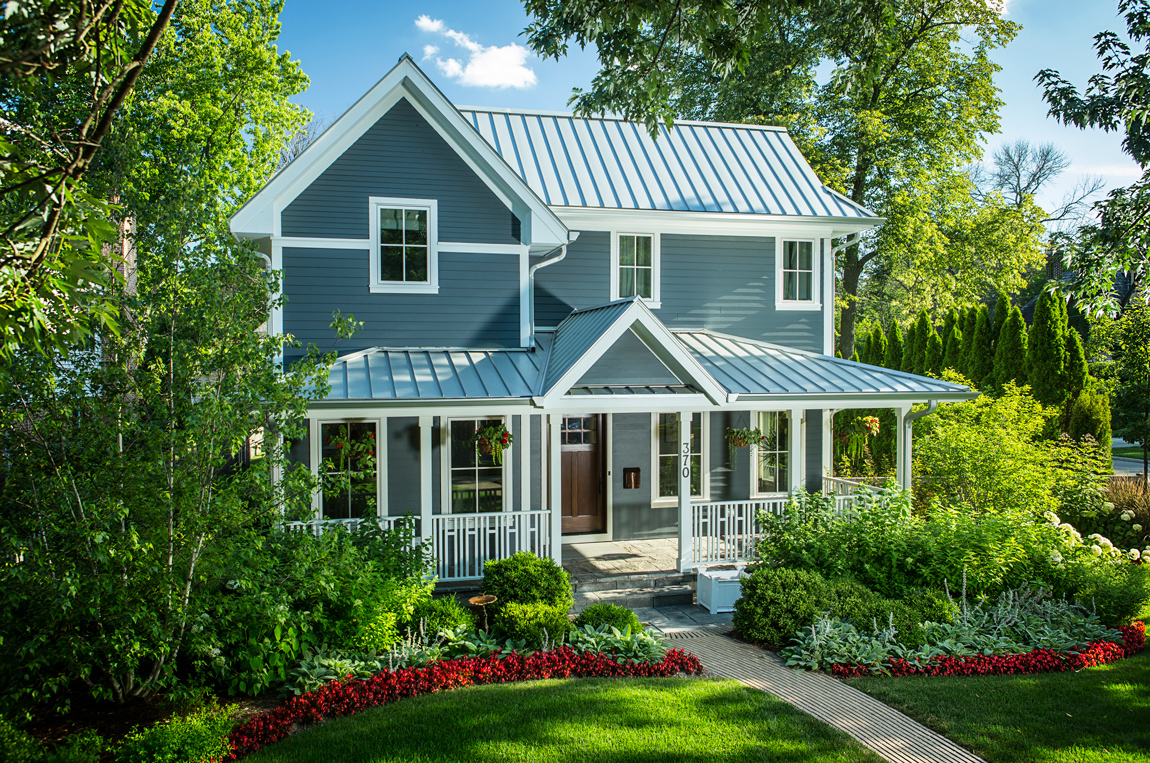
(828,443)
(555,480)
(902,448)
(381,468)
(797,462)
(686,516)
(426,435)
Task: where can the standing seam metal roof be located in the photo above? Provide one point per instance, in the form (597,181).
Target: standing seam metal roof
(610,163)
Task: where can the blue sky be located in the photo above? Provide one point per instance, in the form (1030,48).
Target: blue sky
(345,46)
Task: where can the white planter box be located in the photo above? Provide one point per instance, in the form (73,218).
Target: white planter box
(718,590)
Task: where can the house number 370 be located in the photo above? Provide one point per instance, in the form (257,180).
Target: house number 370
(686,459)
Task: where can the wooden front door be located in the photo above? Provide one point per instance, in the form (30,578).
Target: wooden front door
(584,475)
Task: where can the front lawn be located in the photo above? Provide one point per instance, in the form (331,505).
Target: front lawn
(653,720)
(1099,715)
(1129,451)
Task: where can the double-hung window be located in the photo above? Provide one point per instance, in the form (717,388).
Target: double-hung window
(797,275)
(635,267)
(404,255)
(669,458)
(476,480)
(348,471)
(772,455)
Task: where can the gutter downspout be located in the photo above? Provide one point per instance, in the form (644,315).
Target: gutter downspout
(908,438)
(851,240)
(572,236)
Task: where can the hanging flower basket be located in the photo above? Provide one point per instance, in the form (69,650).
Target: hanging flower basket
(492,441)
(742,438)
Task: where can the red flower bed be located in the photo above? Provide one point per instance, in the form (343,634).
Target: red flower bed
(1036,661)
(349,697)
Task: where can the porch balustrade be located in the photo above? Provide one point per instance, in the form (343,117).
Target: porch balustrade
(319,526)
(728,531)
(464,542)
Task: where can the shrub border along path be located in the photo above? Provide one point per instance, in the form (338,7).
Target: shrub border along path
(341,698)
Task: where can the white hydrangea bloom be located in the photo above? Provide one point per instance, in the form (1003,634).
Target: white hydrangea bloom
(1136,527)
(1052,518)
(1055,557)
(1135,554)
(1097,550)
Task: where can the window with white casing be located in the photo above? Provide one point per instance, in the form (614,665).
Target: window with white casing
(348,470)
(404,243)
(668,458)
(635,267)
(476,481)
(772,457)
(797,275)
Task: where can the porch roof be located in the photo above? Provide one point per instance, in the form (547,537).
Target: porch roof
(750,369)
(747,370)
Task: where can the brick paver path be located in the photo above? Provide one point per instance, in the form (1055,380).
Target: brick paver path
(888,732)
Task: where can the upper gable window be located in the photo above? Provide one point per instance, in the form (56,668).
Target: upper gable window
(635,267)
(404,240)
(797,275)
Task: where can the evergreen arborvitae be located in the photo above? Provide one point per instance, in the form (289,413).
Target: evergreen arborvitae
(1090,415)
(933,364)
(908,348)
(893,357)
(981,357)
(855,356)
(1076,368)
(952,355)
(876,346)
(949,323)
(1010,351)
(1001,315)
(969,322)
(922,332)
(1046,351)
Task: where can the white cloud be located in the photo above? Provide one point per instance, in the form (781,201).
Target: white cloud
(486,66)
(1114,171)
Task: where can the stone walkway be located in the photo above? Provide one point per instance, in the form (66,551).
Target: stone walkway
(876,726)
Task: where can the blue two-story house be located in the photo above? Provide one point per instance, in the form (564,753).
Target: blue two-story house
(618,303)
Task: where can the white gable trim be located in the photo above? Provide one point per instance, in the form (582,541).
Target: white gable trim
(260,216)
(659,340)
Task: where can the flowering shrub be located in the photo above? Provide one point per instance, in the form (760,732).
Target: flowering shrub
(1034,661)
(352,696)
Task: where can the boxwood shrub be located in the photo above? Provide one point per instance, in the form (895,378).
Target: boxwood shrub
(534,622)
(442,614)
(524,578)
(777,601)
(604,613)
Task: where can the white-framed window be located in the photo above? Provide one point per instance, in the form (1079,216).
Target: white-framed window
(475,482)
(635,267)
(404,245)
(349,469)
(772,457)
(668,459)
(797,274)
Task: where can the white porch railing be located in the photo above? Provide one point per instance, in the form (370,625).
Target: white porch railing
(728,531)
(846,493)
(463,542)
(319,526)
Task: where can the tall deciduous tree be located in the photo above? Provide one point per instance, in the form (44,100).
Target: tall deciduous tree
(1118,100)
(1046,351)
(122,459)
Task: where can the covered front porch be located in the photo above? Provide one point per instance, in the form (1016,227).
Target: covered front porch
(619,432)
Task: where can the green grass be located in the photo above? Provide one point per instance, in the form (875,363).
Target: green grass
(1131,451)
(660,720)
(1100,715)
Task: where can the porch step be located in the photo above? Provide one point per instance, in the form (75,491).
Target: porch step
(636,598)
(628,582)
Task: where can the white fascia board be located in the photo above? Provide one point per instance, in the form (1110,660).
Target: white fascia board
(658,339)
(259,216)
(711,223)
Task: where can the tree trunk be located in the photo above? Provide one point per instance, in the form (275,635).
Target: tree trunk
(852,271)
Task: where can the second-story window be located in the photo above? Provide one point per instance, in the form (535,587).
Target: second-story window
(403,246)
(635,261)
(798,271)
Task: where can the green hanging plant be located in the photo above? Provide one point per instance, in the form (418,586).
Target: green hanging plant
(492,441)
(744,438)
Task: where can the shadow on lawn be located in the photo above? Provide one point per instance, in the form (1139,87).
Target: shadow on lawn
(1098,714)
(640,721)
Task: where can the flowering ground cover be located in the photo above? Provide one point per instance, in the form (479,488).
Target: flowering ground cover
(1096,715)
(625,719)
